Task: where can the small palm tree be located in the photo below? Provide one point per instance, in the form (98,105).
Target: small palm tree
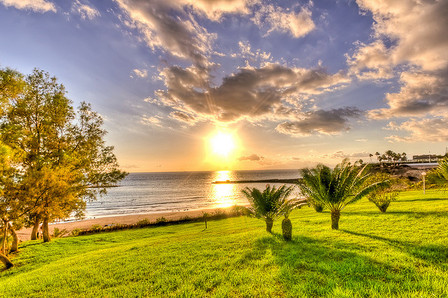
(336,188)
(387,192)
(286,223)
(442,170)
(268,204)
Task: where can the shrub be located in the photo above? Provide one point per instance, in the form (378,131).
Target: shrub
(387,192)
(96,228)
(144,222)
(75,232)
(161,220)
(57,233)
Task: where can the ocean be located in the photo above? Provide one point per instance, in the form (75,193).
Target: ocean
(142,193)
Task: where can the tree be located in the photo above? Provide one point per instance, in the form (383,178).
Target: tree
(286,222)
(442,170)
(386,192)
(269,204)
(65,159)
(10,209)
(336,188)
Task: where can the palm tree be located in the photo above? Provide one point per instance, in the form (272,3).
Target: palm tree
(286,223)
(270,203)
(336,188)
(442,170)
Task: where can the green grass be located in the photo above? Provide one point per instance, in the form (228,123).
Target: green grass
(403,253)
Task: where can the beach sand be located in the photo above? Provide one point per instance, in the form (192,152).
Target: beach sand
(25,234)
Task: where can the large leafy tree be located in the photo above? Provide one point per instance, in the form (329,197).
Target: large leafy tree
(270,203)
(336,188)
(65,158)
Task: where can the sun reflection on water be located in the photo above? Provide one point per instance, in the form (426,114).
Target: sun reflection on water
(223,195)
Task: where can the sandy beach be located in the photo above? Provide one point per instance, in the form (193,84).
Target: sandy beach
(25,234)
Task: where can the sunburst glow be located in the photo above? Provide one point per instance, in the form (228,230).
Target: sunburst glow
(222,144)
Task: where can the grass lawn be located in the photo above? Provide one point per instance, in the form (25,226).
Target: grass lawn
(403,252)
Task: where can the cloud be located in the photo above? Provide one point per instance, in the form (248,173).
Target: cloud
(151,120)
(214,10)
(246,52)
(321,121)
(416,35)
(271,90)
(35,5)
(371,62)
(84,10)
(141,73)
(167,27)
(421,93)
(342,155)
(278,19)
(252,157)
(183,117)
(421,130)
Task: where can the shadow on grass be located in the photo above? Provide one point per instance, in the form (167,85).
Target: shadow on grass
(433,254)
(416,214)
(310,267)
(424,200)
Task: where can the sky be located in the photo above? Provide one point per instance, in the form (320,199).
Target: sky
(293,83)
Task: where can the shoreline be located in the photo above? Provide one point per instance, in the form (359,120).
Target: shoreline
(84,224)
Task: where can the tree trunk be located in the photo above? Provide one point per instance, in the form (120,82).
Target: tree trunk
(383,207)
(15,239)
(45,230)
(35,228)
(287,229)
(5,238)
(6,261)
(269,224)
(335,215)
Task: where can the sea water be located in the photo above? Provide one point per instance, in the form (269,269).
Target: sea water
(142,193)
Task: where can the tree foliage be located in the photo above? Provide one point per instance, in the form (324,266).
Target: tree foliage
(336,188)
(271,203)
(53,157)
(386,192)
(441,172)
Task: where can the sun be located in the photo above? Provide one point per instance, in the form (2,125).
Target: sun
(222,144)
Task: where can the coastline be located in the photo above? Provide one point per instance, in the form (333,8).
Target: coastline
(25,234)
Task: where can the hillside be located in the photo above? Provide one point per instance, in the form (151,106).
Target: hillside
(403,252)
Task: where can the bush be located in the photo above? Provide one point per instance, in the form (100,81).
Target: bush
(387,193)
(161,220)
(57,233)
(96,228)
(75,232)
(144,222)
(317,206)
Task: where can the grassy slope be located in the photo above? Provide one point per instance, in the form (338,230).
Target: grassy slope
(403,252)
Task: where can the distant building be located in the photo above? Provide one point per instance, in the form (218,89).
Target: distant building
(426,157)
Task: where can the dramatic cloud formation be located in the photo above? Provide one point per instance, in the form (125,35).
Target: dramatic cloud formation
(324,122)
(427,130)
(277,19)
(35,5)
(273,90)
(84,10)
(416,33)
(179,35)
